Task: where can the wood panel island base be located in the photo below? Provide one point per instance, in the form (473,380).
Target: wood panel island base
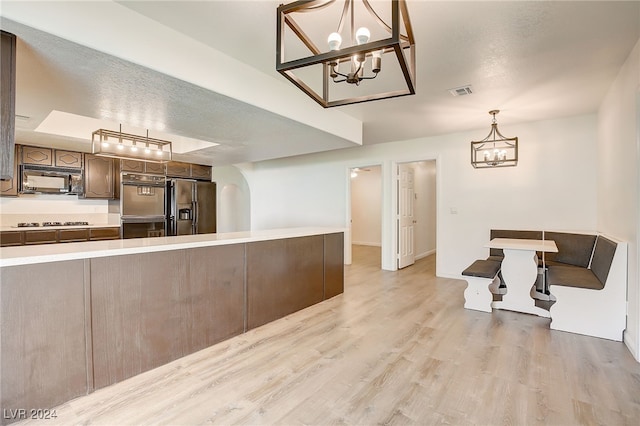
(86,315)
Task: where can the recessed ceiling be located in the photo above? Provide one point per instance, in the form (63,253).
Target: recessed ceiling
(532,60)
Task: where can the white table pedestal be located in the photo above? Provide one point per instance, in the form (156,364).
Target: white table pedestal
(520,270)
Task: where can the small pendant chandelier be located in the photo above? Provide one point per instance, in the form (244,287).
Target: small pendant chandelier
(329,48)
(495,150)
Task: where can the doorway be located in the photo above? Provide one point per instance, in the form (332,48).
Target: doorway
(366,215)
(416,211)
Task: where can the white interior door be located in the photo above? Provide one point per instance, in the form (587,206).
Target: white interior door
(406,219)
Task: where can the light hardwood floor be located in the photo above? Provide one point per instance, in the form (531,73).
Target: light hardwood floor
(395,348)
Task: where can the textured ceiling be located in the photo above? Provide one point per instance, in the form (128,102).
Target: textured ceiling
(533,60)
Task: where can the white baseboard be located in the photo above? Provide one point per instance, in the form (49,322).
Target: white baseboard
(631,344)
(425,254)
(364,243)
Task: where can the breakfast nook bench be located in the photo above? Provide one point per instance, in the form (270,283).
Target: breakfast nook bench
(480,275)
(585,281)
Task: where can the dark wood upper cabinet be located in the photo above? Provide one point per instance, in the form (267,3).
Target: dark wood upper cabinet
(37,155)
(141,167)
(154,168)
(187,170)
(68,159)
(99,177)
(132,166)
(178,169)
(200,172)
(7,104)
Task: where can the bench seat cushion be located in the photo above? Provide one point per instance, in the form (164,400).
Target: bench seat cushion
(573,249)
(573,276)
(483,269)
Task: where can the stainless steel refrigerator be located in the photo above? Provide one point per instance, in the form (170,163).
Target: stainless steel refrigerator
(191,207)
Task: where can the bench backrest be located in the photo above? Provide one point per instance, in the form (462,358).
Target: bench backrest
(602,258)
(573,249)
(509,233)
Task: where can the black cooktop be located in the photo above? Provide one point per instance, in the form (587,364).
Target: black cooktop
(36,224)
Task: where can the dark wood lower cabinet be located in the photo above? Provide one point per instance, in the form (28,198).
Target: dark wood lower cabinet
(283,276)
(135,313)
(42,336)
(150,309)
(48,236)
(68,328)
(333,264)
(97,234)
(73,235)
(11,238)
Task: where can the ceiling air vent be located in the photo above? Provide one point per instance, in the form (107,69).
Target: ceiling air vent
(461,91)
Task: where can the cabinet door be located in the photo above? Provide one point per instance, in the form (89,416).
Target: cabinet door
(37,155)
(178,169)
(98,177)
(68,159)
(132,166)
(200,172)
(104,233)
(9,187)
(11,238)
(41,237)
(71,235)
(154,168)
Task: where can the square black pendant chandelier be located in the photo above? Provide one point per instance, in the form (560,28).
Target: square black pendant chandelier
(342,52)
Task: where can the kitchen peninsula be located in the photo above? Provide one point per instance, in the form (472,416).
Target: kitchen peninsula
(80,316)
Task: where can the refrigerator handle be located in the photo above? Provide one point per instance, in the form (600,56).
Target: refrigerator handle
(172,226)
(194,206)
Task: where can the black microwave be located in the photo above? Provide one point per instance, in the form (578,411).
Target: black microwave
(50,180)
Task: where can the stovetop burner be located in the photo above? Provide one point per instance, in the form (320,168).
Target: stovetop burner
(51,223)
(75,224)
(28,224)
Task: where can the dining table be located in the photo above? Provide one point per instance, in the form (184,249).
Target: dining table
(520,271)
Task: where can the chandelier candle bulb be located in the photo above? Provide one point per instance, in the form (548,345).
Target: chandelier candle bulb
(334,41)
(363,35)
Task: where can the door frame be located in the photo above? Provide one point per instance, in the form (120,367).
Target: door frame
(391,249)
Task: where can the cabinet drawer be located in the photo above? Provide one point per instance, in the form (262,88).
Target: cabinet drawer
(37,155)
(70,235)
(11,238)
(201,172)
(68,159)
(104,233)
(41,237)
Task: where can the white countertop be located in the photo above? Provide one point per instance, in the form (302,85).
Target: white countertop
(523,244)
(25,255)
(44,228)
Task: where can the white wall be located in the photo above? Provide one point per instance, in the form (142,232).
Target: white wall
(618,180)
(366,207)
(425,208)
(233,204)
(552,187)
(61,208)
